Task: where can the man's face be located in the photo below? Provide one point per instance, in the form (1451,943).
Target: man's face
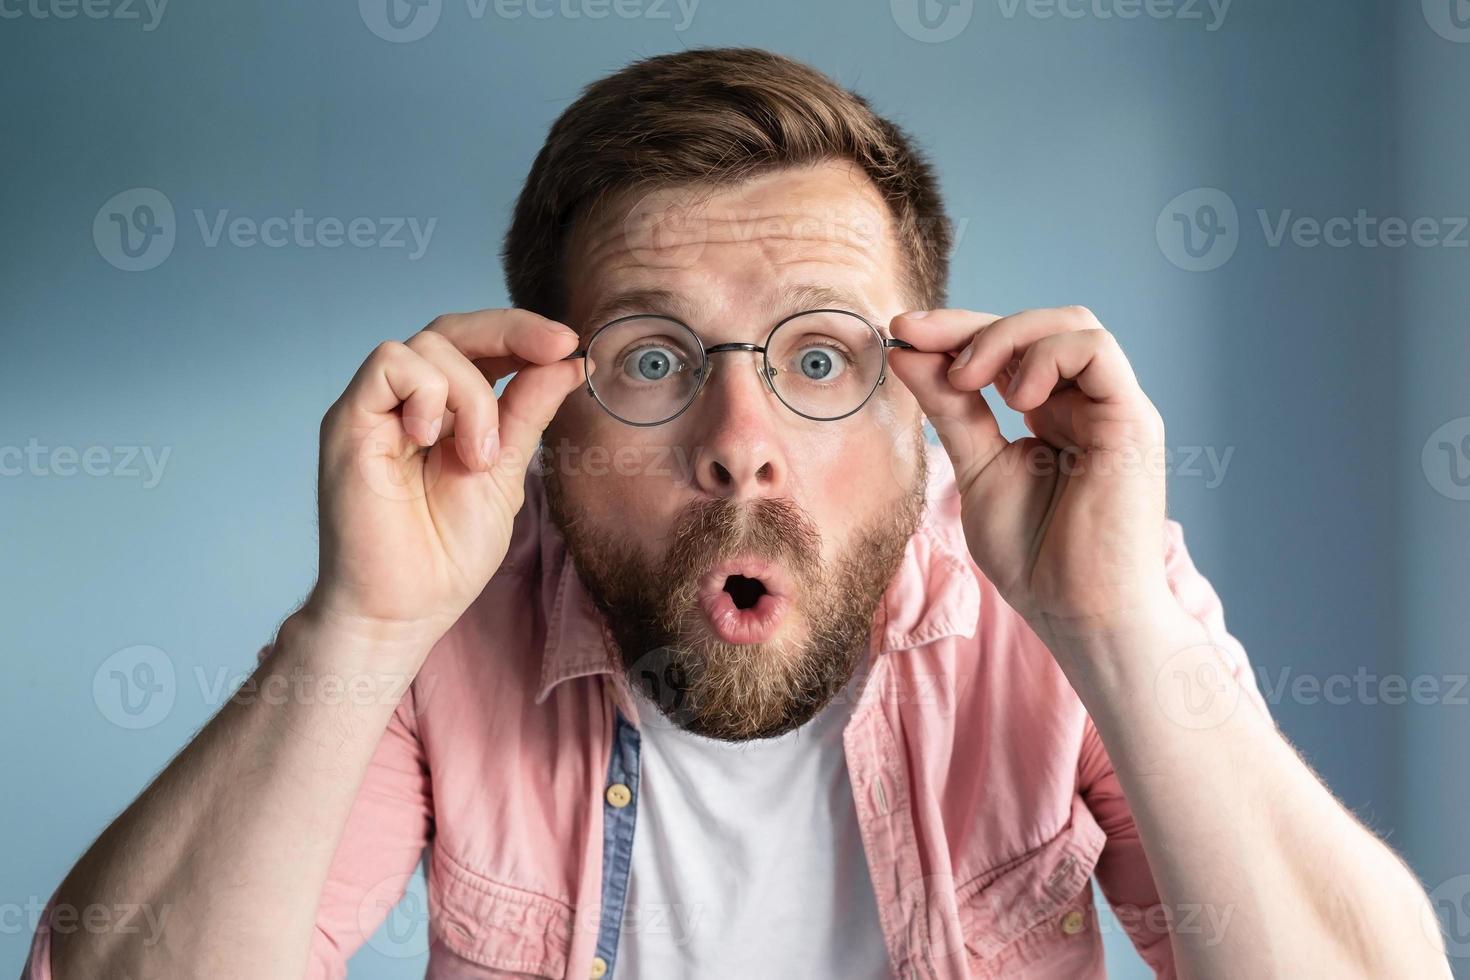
(738,552)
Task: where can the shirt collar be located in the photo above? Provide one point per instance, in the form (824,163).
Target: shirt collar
(934,595)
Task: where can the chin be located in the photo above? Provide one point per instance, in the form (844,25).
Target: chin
(739,692)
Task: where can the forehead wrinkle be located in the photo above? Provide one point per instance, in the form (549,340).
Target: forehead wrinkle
(782,237)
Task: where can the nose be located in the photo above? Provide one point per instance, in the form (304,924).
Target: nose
(738,450)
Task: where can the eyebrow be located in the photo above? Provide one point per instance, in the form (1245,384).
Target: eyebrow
(795,298)
(660,301)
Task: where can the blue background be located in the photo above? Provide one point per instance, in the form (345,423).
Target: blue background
(1336,535)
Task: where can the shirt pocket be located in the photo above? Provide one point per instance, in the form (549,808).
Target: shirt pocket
(503,930)
(1034,914)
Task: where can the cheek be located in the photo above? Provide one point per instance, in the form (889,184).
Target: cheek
(622,478)
(846,478)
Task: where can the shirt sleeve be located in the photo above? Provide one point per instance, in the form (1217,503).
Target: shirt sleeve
(388,827)
(1122,870)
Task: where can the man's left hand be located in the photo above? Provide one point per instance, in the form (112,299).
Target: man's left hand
(1068,524)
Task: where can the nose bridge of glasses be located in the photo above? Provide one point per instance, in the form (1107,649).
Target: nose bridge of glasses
(738,347)
(726,348)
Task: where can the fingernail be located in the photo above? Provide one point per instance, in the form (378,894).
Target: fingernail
(916,315)
(560,329)
(490,447)
(419,430)
(964,357)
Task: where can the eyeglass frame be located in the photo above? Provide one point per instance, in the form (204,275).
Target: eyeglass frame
(885,344)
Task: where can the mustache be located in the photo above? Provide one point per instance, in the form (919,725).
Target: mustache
(710,531)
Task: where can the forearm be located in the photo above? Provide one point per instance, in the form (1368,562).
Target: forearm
(227,851)
(1233,821)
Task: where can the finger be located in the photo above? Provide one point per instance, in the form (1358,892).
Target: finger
(962,419)
(396,379)
(471,399)
(941,330)
(527,405)
(517,335)
(1058,420)
(1008,338)
(1091,359)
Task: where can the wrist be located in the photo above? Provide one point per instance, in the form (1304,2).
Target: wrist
(327,637)
(1124,648)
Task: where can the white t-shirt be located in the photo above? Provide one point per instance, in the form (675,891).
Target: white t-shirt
(747,860)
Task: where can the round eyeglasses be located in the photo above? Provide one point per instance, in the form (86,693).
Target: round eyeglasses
(824,365)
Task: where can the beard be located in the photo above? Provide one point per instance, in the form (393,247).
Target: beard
(736,692)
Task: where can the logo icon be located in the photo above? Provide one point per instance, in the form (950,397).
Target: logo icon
(400,21)
(932,21)
(1199,230)
(1195,690)
(135,687)
(135,230)
(1450,903)
(1446,459)
(399,903)
(665,232)
(1450,19)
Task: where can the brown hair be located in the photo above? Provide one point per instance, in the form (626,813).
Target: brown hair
(714,116)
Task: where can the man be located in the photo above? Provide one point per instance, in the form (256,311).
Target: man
(738,676)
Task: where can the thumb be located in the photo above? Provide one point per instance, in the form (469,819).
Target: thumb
(962,419)
(527,405)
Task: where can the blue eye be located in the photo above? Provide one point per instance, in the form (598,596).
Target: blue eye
(820,363)
(651,364)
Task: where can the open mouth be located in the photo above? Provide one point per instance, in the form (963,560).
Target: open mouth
(745,592)
(745,601)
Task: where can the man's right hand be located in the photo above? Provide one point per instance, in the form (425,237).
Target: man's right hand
(423,469)
(422,473)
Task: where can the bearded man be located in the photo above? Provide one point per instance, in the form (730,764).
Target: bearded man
(718,667)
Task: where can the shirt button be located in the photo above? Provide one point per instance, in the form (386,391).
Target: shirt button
(1073,922)
(618,796)
(599,965)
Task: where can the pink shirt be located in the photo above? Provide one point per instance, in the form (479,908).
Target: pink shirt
(985,798)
